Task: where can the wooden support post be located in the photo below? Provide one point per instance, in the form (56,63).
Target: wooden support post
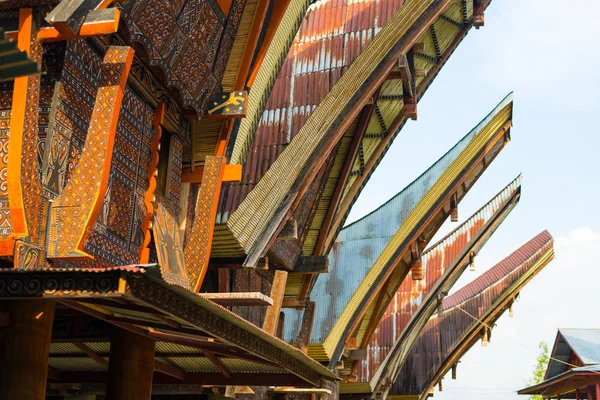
(24,349)
(130,366)
(306,328)
(277,291)
(597,391)
(224,280)
(472,260)
(454,371)
(281,325)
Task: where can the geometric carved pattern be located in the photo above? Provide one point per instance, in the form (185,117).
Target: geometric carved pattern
(169,247)
(182,38)
(197,250)
(78,206)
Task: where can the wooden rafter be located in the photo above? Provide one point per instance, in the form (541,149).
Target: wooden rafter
(218,364)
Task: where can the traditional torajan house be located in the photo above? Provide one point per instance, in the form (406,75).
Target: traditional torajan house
(372,256)
(464,318)
(417,300)
(109,188)
(573,371)
(168,144)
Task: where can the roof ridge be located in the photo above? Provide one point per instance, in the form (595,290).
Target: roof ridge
(466,292)
(475,215)
(466,138)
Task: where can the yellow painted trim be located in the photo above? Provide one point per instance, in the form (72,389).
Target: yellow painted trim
(412,221)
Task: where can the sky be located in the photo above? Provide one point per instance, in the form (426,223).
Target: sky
(546,51)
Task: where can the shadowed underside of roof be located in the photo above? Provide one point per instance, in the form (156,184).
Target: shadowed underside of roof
(449,335)
(365,250)
(303,155)
(415,301)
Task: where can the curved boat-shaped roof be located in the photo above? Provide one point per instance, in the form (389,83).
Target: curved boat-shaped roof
(416,301)
(321,97)
(367,251)
(466,314)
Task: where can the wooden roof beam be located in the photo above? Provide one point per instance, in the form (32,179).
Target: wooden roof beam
(218,364)
(97,22)
(169,370)
(91,354)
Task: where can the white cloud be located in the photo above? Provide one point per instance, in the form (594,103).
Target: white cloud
(578,237)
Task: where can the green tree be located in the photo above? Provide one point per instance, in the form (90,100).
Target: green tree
(540,368)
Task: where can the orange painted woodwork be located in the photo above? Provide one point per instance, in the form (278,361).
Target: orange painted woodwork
(75,211)
(169,247)
(251,43)
(159,117)
(22,178)
(277,13)
(197,251)
(225,5)
(231,173)
(17,126)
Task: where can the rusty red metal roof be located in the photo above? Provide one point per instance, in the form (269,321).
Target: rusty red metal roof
(449,256)
(333,33)
(447,336)
(523,257)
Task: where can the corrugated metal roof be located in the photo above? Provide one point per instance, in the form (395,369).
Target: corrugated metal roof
(360,244)
(585,343)
(524,257)
(249,221)
(438,260)
(330,38)
(448,336)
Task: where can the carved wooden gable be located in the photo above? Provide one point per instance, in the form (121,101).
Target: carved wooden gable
(188,40)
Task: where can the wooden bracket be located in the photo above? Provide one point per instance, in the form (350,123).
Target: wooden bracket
(406,66)
(478,14)
(454,366)
(416,264)
(454,207)
(472,257)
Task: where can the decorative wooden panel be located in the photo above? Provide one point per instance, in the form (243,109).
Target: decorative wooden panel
(80,203)
(169,247)
(197,251)
(189,40)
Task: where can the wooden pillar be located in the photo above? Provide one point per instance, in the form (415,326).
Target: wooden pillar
(130,366)
(25,348)
(277,292)
(597,391)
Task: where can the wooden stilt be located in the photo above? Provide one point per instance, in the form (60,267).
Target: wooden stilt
(130,366)
(25,348)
